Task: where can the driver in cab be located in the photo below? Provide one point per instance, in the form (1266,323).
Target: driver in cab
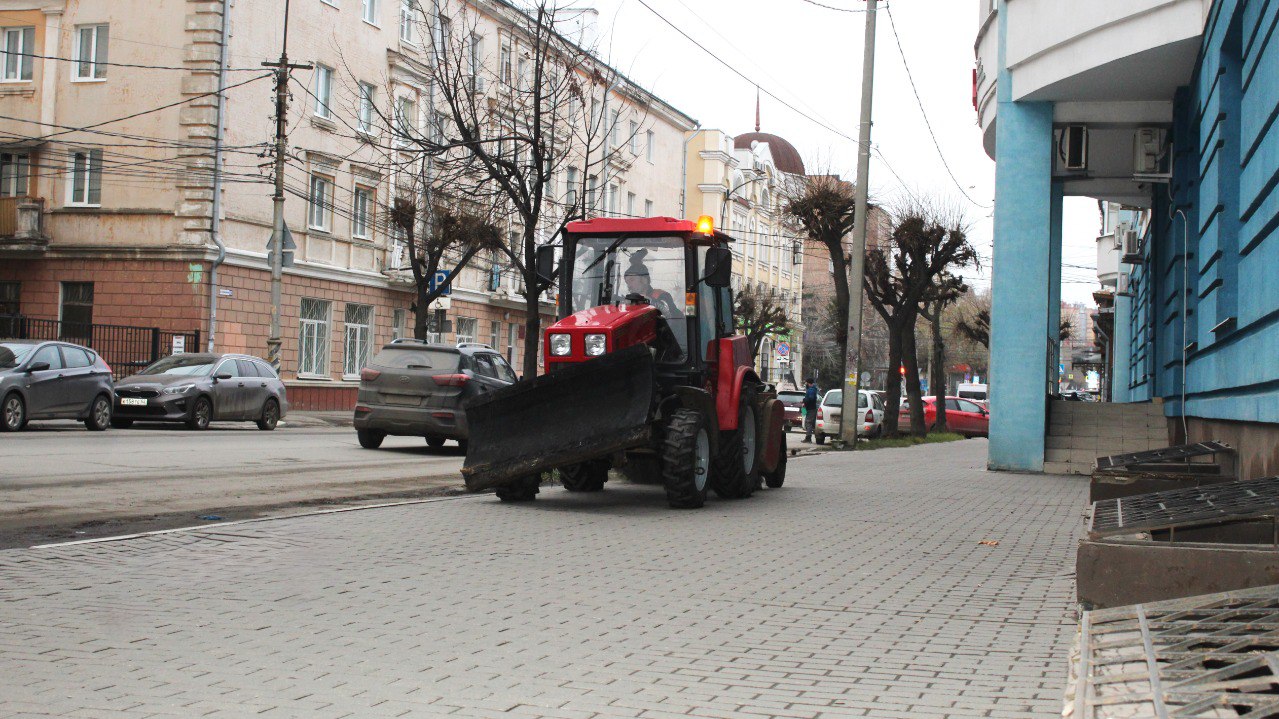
(639,283)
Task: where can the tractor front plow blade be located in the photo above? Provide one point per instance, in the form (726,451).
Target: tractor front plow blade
(581,412)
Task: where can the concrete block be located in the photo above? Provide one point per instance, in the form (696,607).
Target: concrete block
(1057,455)
(1057,468)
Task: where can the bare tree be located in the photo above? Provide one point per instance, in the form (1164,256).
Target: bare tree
(927,239)
(759,312)
(947,290)
(976,326)
(825,207)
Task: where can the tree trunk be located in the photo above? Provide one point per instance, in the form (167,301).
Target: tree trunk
(893,384)
(937,376)
(422,316)
(841,301)
(910,361)
(532,331)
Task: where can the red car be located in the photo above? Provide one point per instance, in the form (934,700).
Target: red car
(963,416)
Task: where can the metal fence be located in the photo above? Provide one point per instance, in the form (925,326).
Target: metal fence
(127,349)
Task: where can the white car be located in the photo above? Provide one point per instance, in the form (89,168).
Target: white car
(870,408)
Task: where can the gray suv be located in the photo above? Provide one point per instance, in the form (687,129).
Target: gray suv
(52,380)
(200,388)
(417,389)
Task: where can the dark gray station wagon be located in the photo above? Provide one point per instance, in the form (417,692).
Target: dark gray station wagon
(417,389)
(200,388)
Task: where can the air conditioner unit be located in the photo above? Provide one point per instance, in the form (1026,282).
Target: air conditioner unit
(1073,147)
(1121,229)
(1150,154)
(1131,248)
(1124,285)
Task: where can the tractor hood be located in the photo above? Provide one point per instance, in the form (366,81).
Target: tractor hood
(622,326)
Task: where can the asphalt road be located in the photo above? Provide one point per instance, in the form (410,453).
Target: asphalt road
(59,481)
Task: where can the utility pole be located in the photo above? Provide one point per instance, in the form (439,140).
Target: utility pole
(282,68)
(849,418)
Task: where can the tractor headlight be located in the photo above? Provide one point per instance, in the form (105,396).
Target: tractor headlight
(595,345)
(561,345)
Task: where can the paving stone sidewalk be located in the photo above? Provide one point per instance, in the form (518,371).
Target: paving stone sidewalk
(860,589)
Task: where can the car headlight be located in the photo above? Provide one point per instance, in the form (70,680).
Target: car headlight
(595,345)
(561,345)
(180,389)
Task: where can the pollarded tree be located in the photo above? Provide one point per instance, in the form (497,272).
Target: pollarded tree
(825,207)
(759,312)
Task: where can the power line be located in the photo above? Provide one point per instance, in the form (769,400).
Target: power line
(919,101)
(835,8)
(130,65)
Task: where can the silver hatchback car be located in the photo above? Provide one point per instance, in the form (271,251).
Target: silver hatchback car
(52,380)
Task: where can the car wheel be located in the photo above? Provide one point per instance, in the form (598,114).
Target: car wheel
(370,438)
(821,438)
(121,423)
(201,414)
(13,413)
(434,441)
(270,416)
(99,414)
(524,489)
(686,459)
(585,476)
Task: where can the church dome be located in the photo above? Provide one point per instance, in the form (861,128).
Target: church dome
(785,156)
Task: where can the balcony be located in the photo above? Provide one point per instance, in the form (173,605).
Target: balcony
(22,225)
(1101,61)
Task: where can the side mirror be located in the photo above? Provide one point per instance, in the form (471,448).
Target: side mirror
(719,267)
(546,263)
(37,367)
(222,375)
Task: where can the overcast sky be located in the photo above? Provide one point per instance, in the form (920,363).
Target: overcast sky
(811,57)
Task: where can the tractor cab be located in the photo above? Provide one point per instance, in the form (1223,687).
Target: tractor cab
(656,281)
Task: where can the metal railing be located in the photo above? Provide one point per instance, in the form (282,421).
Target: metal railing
(126,348)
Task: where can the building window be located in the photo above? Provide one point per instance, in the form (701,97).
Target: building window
(369,13)
(9,294)
(504,68)
(592,183)
(649,147)
(313,347)
(648,208)
(17,45)
(473,63)
(359,333)
(634,138)
(15,174)
(436,325)
(367,93)
(406,116)
(521,73)
(406,19)
(443,35)
(76,311)
(630,204)
(320,215)
(570,192)
(399,324)
(91,52)
(612,199)
(495,334)
(84,182)
(467,327)
(323,91)
(511,334)
(361,212)
(612,128)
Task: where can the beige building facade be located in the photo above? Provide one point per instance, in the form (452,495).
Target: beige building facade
(124,200)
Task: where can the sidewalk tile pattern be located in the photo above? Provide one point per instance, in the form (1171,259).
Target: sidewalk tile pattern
(859,589)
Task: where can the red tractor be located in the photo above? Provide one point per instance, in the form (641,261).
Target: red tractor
(643,370)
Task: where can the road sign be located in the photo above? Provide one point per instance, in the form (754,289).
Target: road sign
(179,344)
(782,349)
(441,277)
(289,247)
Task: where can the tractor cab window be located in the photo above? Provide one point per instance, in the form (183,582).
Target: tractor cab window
(633,270)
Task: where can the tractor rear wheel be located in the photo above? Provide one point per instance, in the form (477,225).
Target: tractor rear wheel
(777,477)
(524,489)
(585,476)
(736,471)
(686,459)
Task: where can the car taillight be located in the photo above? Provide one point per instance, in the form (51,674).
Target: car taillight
(870,417)
(819,413)
(451,380)
(368,375)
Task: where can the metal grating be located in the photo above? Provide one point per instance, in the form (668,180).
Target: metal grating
(1167,454)
(1215,655)
(1178,508)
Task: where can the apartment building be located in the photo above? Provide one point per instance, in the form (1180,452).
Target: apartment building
(743,182)
(131,195)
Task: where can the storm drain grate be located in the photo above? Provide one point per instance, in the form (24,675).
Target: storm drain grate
(1215,655)
(1167,454)
(1178,508)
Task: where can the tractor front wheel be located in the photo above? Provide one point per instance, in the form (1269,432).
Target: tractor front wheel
(686,459)
(585,476)
(736,472)
(524,489)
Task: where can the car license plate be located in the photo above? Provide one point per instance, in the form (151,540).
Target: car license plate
(141,401)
